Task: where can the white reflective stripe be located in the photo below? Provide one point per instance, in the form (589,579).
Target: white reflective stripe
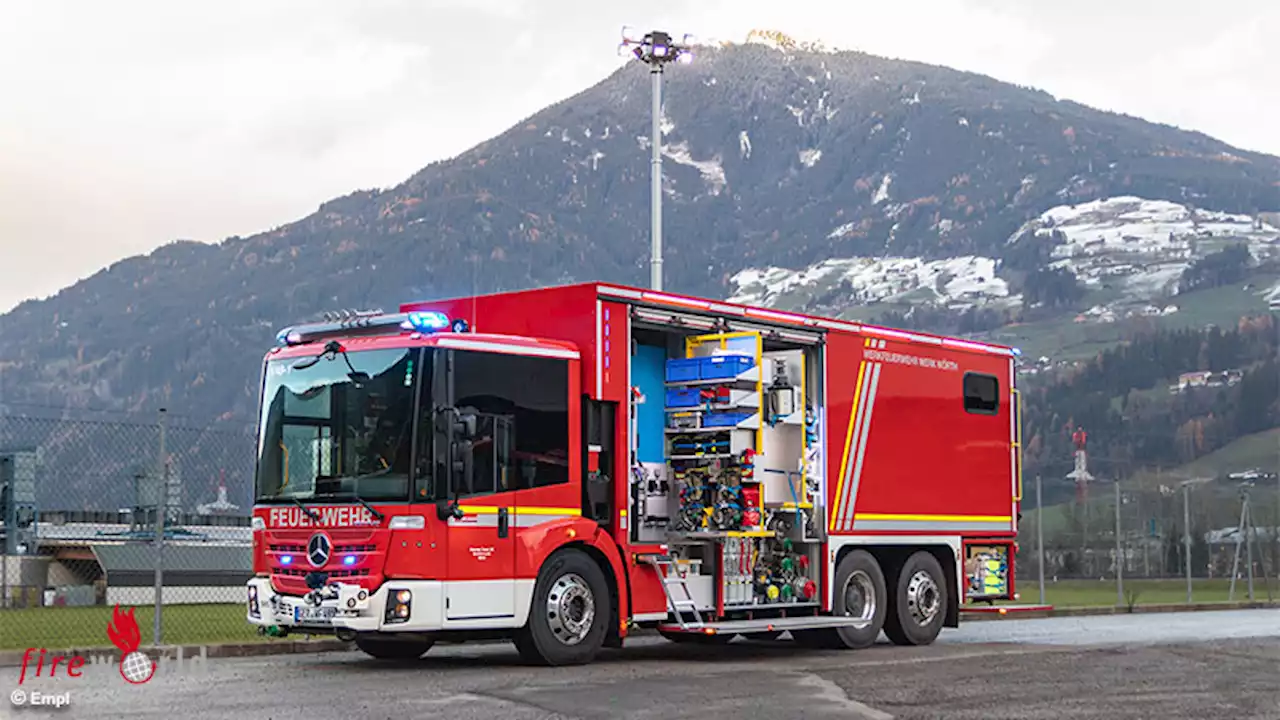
(528,521)
(599,349)
(727,309)
(514,519)
(619,292)
(675,300)
(929,525)
(513,349)
(776,315)
(837,325)
(855,419)
(847,513)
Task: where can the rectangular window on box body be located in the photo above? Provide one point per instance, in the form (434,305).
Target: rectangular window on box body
(981,393)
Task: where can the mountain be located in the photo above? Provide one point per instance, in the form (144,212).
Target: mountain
(778,161)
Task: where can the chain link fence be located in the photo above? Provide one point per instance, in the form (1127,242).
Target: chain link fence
(1151,538)
(139,511)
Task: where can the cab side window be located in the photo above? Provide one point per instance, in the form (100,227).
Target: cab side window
(981,393)
(522,427)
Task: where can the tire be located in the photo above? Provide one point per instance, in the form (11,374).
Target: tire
(569,614)
(390,649)
(860,591)
(919,601)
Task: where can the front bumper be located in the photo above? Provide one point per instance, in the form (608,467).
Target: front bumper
(350,607)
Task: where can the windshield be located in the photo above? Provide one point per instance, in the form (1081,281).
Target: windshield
(327,432)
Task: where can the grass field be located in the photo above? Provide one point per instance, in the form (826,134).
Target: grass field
(1102,593)
(86,627)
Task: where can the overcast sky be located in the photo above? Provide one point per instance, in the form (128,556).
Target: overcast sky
(127,124)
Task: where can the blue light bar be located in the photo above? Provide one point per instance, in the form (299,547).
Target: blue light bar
(426,321)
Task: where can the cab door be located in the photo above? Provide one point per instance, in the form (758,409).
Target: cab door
(481,544)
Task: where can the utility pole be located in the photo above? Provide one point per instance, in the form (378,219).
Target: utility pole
(1040,535)
(656,49)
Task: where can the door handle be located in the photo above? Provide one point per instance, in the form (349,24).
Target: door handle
(504,522)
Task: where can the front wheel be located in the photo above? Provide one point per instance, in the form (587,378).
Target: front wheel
(392,649)
(569,614)
(920,601)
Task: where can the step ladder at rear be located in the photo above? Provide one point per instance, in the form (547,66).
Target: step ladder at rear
(678,605)
(732,627)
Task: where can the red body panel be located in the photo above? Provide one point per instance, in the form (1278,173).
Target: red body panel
(909,457)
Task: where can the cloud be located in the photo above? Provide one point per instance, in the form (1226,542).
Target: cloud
(129,124)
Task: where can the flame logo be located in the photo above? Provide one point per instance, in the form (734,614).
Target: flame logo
(123,631)
(135,667)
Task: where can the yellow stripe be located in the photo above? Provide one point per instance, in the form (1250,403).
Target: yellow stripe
(939,518)
(1017,434)
(548,511)
(848,441)
(493,510)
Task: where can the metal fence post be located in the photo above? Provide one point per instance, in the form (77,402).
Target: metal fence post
(1040,536)
(1119,552)
(162,495)
(1186,535)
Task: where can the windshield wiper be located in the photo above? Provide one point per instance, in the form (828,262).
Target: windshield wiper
(357,498)
(332,349)
(315,516)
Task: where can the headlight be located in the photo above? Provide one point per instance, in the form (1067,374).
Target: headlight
(398,609)
(254,610)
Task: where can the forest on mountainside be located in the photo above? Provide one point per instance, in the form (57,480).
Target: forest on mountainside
(1124,399)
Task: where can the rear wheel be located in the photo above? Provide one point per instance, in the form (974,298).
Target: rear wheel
(860,592)
(919,603)
(569,614)
(392,649)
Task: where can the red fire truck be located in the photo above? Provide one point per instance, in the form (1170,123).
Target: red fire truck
(561,466)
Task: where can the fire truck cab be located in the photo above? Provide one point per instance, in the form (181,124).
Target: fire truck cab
(560,466)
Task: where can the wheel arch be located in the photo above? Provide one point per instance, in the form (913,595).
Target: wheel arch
(891,558)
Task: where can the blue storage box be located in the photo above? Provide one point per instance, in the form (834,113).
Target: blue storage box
(719,367)
(682,370)
(724,419)
(683,397)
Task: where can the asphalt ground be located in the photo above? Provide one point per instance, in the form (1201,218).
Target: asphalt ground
(1181,665)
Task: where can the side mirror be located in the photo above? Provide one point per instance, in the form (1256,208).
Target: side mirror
(464,427)
(461,463)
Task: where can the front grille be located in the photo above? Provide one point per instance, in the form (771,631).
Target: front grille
(299,572)
(287,548)
(354,548)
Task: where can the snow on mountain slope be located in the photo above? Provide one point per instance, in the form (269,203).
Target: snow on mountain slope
(1133,244)
(1144,245)
(955,282)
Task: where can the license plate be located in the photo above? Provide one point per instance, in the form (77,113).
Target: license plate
(311,615)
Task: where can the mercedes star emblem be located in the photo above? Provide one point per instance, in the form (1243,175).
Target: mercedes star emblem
(318,549)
